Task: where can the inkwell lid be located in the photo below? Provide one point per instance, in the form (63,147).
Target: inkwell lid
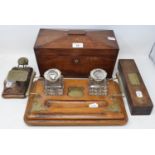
(98,74)
(52,75)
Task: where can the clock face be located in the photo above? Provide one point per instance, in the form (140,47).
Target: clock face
(52,75)
(98,74)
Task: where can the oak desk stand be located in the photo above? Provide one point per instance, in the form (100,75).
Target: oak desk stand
(75,108)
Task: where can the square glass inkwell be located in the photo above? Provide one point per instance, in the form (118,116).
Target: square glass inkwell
(54,84)
(98,82)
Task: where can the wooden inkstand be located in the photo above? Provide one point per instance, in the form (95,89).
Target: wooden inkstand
(76,106)
(76,85)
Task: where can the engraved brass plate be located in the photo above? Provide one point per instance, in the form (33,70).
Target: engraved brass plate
(133,78)
(17,75)
(75,92)
(37,105)
(114,107)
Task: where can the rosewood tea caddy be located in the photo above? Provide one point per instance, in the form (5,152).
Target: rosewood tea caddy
(76,52)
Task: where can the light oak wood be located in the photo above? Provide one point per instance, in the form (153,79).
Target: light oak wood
(67,110)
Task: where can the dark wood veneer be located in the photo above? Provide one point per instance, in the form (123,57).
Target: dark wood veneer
(138,105)
(53,49)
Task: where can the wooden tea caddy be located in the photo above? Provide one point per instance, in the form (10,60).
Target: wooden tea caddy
(75,53)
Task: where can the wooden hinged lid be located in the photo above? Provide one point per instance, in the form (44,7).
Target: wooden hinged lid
(66,39)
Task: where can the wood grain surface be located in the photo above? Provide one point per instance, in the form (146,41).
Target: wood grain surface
(66,110)
(133,83)
(53,49)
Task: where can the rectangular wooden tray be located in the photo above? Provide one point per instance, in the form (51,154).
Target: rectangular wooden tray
(67,110)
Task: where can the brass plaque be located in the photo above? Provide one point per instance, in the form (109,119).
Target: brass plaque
(37,105)
(114,107)
(133,78)
(17,75)
(75,92)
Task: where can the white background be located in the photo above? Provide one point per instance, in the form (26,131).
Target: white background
(80,141)
(17,41)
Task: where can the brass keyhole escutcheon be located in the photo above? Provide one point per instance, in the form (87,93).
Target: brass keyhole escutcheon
(76,61)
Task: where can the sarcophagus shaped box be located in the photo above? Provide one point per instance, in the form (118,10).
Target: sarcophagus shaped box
(76,52)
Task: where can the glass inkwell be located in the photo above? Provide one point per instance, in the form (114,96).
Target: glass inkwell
(98,82)
(54,84)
